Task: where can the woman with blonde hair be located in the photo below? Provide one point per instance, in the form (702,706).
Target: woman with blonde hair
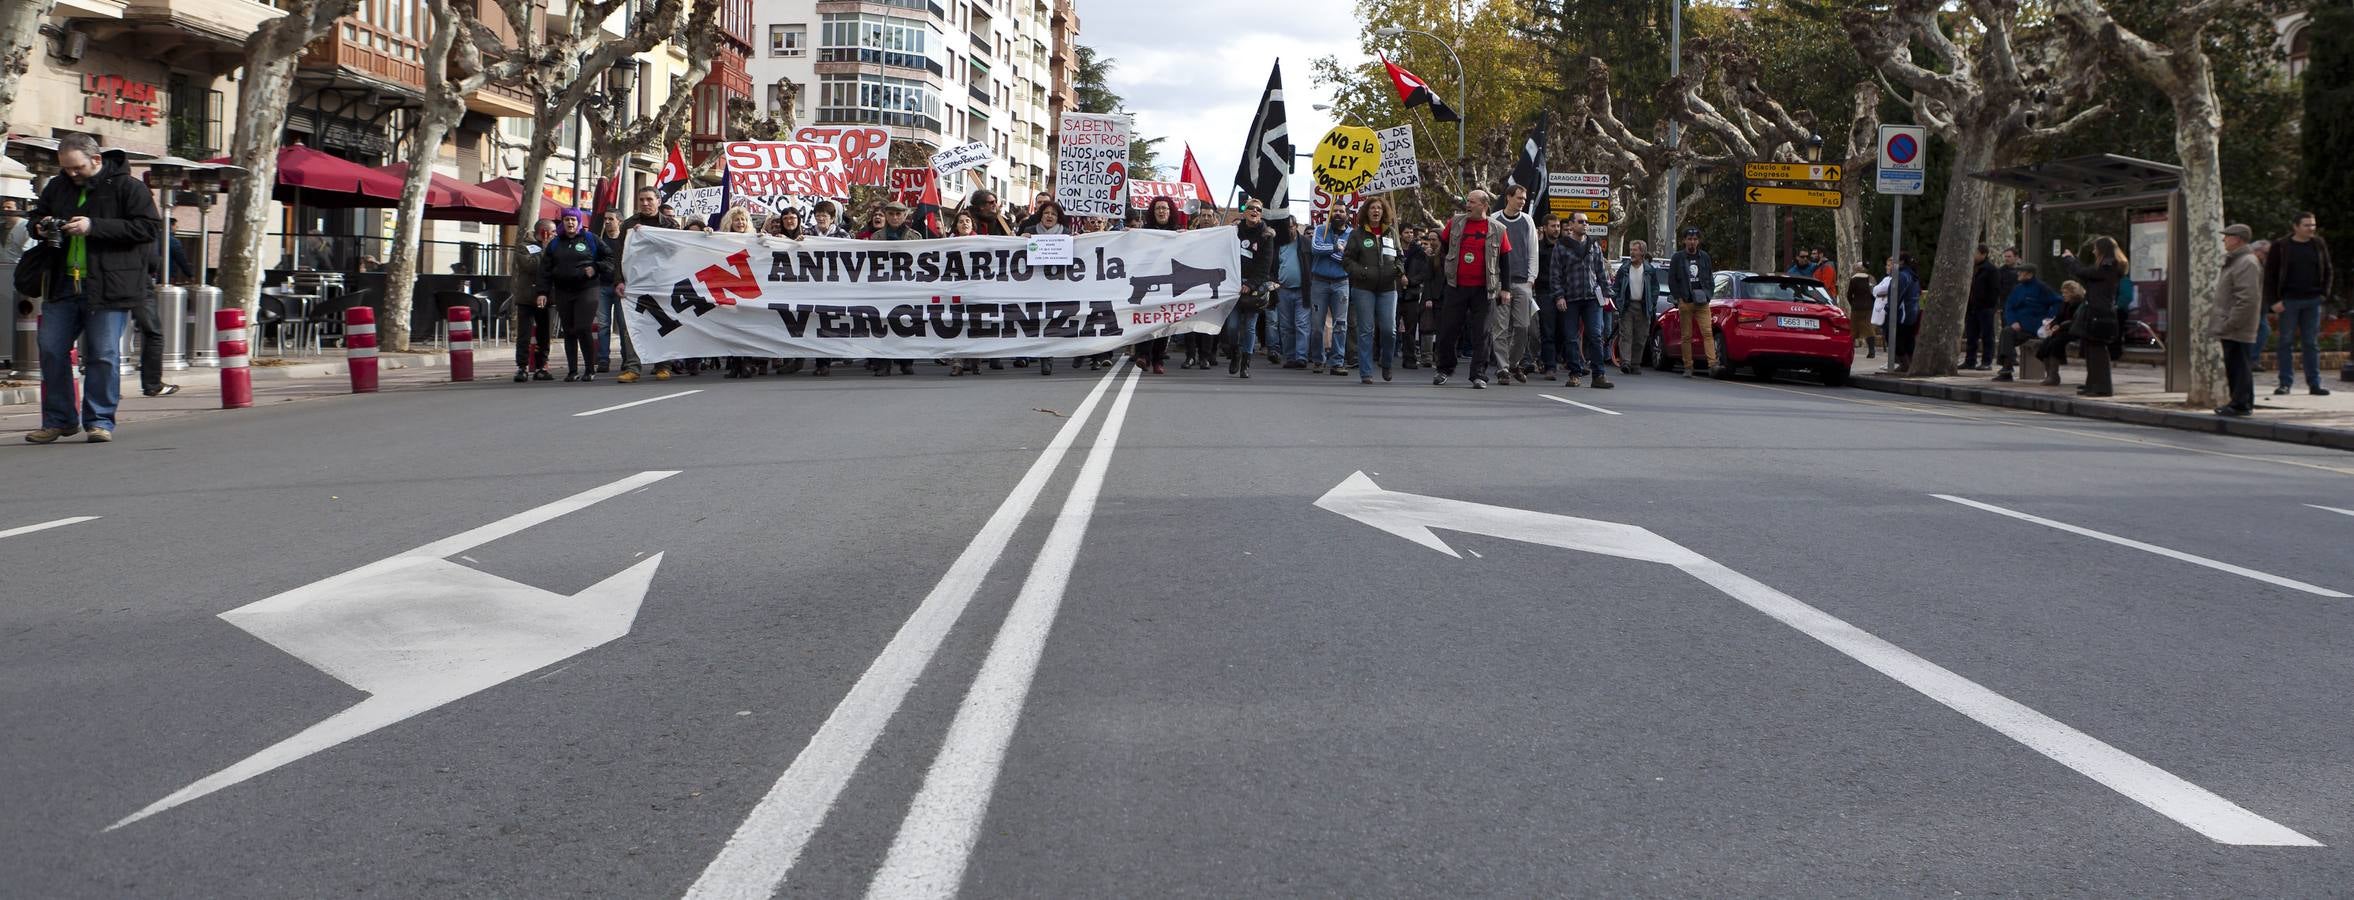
(736,221)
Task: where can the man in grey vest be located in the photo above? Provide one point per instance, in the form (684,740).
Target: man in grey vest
(1515,320)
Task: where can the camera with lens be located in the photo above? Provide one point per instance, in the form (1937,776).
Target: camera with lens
(50,229)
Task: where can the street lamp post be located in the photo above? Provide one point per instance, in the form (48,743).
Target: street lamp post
(1327,107)
(1675,129)
(1462,99)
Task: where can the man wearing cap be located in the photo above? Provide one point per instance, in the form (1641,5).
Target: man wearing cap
(2239,304)
(895,228)
(1691,277)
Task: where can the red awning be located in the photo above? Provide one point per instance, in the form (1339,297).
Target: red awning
(448,199)
(312,178)
(512,190)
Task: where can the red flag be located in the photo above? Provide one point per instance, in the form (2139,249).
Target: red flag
(1192,174)
(609,193)
(1413,92)
(673,175)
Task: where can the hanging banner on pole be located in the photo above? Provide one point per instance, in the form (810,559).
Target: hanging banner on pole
(865,149)
(957,159)
(786,168)
(1399,170)
(751,295)
(1091,165)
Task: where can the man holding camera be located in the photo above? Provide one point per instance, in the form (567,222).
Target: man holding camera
(100,225)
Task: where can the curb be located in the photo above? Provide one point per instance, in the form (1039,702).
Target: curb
(2284,432)
(31,393)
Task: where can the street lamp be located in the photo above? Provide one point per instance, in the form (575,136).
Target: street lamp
(1327,107)
(1462,100)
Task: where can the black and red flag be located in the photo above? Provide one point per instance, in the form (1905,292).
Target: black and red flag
(674,175)
(1413,92)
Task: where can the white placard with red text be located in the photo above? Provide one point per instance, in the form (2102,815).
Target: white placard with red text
(785,169)
(865,149)
(1091,165)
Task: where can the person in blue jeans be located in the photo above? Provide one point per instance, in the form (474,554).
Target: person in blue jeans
(1291,309)
(1328,296)
(106,225)
(1578,280)
(1260,252)
(1370,254)
(2297,280)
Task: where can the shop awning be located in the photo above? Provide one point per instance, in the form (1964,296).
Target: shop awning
(321,180)
(448,199)
(512,190)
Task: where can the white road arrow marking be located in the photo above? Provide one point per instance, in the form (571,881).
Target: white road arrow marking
(2192,558)
(1412,517)
(416,631)
(2342,512)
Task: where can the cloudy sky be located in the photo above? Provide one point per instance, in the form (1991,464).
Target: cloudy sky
(1193,69)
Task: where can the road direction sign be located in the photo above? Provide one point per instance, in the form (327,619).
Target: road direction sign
(1773,196)
(1572,204)
(1585,191)
(1767,171)
(1560,180)
(1904,160)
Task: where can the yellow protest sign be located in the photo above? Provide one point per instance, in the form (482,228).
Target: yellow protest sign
(1347,159)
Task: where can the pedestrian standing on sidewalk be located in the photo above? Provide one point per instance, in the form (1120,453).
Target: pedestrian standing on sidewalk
(649,215)
(531,313)
(1577,282)
(1516,317)
(1978,318)
(2239,305)
(1634,286)
(2030,306)
(1691,277)
(1865,310)
(1370,254)
(1471,250)
(150,325)
(96,275)
(2096,324)
(2298,279)
(569,272)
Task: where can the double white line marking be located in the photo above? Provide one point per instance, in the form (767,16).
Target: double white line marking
(936,839)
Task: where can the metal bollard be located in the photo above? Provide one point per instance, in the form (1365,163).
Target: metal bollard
(461,343)
(28,340)
(359,348)
(236,379)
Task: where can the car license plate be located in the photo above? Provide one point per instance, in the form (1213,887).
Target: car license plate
(1799,322)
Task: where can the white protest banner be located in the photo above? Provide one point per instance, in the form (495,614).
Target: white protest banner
(1051,249)
(1091,165)
(865,149)
(751,295)
(1399,170)
(1142,193)
(774,168)
(958,159)
(695,204)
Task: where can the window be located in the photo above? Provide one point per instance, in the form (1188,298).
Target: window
(787,40)
(2299,52)
(871,99)
(887,40)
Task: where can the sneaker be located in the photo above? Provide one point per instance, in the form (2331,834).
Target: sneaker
(2281,391)
(587,376)
(1520,375)
(50,435)
(1438,380)
(1479,384)
(661,374)
(542,375)
(162,390)
(100,436)
(627,378)
(522,376)
(1340,370)
(1571,381)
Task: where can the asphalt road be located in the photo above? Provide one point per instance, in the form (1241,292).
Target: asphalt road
(1095,635)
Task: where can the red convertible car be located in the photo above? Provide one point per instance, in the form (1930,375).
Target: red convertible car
(1770,323)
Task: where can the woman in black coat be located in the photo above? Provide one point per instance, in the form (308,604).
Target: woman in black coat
(2096,325)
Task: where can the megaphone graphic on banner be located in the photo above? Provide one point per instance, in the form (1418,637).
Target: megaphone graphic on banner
(1181,278)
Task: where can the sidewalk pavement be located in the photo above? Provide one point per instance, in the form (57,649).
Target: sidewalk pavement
(306,378)
(2141,398)
(329,364)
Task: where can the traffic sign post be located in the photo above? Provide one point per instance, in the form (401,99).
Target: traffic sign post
(1776,196)
(1903,171)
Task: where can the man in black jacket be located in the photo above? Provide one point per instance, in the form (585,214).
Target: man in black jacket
(105,228)
(2298,281)
(649,215)
(1258,285)
(1986,299)
(1691,277)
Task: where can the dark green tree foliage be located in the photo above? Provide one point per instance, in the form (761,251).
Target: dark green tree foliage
(1632,38)
(2326,182)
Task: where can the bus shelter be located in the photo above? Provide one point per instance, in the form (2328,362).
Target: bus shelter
(2154,241)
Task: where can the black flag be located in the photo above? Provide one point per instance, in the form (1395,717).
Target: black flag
(1265,172)
(1529,170)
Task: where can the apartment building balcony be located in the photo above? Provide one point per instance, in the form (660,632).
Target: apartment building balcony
(206,35)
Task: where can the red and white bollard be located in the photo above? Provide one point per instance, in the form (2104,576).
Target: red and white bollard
(461,343)
(236,354)
(359,348)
